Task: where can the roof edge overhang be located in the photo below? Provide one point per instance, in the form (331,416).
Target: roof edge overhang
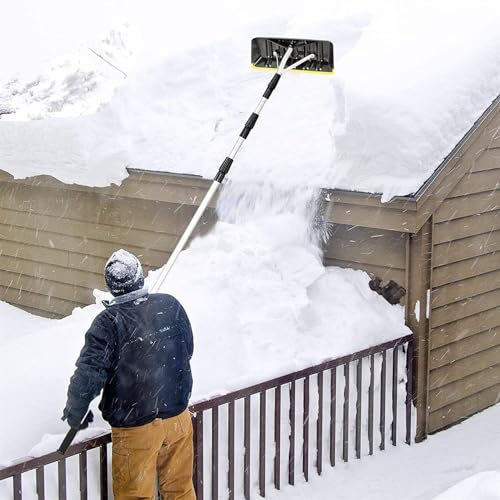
(409,213)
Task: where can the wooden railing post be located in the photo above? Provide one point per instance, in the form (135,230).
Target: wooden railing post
(198,454)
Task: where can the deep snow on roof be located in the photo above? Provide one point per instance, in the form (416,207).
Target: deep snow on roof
(411,79)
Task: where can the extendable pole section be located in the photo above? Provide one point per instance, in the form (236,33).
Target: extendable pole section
(226,164)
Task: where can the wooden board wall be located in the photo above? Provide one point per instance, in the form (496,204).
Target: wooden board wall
(376,251)
(55,238)
(465,297)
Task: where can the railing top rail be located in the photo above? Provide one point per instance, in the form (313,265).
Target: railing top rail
(290,377)
(34,463)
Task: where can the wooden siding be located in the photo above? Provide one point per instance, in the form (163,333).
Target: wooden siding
(376,251)
(465,298)
(55,238)
(368,211)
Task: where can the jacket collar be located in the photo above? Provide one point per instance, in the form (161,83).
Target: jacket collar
(126,297)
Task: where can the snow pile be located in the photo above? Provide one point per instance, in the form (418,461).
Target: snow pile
(36,32)
(465,456)
(70,86)
(411,78)
(18,323)
(418,78)
(481,486)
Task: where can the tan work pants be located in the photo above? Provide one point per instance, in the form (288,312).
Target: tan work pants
(164,446)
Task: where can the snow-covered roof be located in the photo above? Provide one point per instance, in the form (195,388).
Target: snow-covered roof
(411,79)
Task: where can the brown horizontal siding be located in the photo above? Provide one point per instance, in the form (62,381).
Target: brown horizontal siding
(56,238)
(52,288)
(466,248)
(361,245)
(489,159)
(40,312)
(465,315)
(461,368)
(454,208)
(460,410)
(96,209)
(466,288)
(33,252)
(76,245)
(464,347)
(465,269)
(385,216)
(385,273)
(466,327)
(51,272)
(464,387)
(478,182)
(465,308)
(466,226)
(52,306)
(72,227)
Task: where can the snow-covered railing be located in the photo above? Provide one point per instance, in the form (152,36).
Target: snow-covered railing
(211,472)
(39,465)
(347,397)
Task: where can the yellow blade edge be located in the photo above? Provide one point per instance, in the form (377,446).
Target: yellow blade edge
(260,68)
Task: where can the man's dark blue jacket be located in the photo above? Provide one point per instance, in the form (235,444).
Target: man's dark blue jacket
(137,350)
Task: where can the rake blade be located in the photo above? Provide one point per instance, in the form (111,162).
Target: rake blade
(264,51)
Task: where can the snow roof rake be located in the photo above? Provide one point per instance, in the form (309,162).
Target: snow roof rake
(284,55)
(307,55)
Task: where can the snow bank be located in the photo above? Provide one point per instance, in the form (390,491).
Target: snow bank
(72,86)
(411,79)
(420,75)
(463,458)
(481,486)
(34,32)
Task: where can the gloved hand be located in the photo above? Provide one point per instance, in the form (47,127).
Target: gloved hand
(74,418)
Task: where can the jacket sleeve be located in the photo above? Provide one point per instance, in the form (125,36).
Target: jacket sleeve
(185,325)
(92,367)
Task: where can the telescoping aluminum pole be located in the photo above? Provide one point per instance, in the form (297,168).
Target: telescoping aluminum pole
(282,68)
(267,53)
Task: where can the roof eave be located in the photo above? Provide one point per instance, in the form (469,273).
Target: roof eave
(409,213)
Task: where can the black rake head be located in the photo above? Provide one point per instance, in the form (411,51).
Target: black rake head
(268,52)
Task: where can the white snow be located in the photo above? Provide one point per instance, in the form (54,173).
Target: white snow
(419,76)
(411,79)
(34,32)
(466,454)
(72,86)
(417,310)
(480,486)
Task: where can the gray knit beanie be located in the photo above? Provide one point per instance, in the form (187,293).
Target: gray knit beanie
(123,273)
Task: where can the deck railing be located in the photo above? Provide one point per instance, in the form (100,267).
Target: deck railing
(241,446)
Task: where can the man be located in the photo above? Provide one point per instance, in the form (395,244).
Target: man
(138,351)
